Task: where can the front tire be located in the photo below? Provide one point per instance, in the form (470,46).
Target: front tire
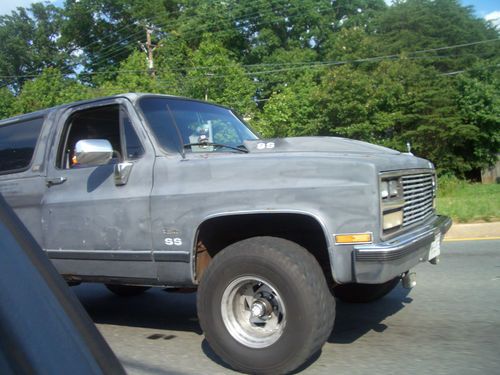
(364,293)
(264,305)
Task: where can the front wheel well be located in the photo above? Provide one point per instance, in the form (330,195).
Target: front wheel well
(217,233)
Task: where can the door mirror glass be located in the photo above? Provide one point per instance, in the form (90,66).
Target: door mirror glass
(92,152)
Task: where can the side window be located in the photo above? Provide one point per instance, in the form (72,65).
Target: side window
(110,123)
(17,144)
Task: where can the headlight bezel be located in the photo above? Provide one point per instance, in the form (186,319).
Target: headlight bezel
(392,203)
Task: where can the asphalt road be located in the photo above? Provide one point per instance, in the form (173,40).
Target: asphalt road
(448,324)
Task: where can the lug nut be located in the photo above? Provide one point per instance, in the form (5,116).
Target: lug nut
(258,309)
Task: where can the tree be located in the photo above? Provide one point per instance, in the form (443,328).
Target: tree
(6,102)
(398,102)
(103,33)
(217,18)
(355,68)
(351,44)
(132,76)
(174,61)
(30,43)
(282,68)
(219,78)
(49,89)
(414,25)
(292,111)
(479,108)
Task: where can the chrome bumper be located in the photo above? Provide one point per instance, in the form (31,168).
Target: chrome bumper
(380,262)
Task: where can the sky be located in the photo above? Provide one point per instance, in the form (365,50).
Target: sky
(7,6)
(489,9)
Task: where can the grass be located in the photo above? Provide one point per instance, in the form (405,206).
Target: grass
(468,202)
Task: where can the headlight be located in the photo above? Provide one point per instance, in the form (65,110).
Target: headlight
(384,189)
(392,202)
(391,188)
(393,219)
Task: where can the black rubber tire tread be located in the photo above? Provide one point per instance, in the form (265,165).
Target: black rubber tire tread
(127,290)
(364,293)
(310,306)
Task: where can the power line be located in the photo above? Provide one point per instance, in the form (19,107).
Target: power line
(471,70)
(458,45)
(299,65)
(246,17)
(111,52)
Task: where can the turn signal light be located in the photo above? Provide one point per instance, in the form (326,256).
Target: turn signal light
(353,238)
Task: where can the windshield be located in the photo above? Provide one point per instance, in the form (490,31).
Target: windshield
(198,124)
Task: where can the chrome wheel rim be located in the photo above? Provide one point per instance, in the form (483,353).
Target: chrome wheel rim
(253,312)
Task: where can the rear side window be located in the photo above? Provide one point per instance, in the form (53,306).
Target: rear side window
(17,144)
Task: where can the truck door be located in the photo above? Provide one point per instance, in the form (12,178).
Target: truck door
(22,180)
(93,223)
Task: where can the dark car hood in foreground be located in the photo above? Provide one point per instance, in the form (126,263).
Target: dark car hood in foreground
(317,144)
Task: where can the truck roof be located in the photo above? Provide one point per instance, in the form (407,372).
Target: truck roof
(43,112)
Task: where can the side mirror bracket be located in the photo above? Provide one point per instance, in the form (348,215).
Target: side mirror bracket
(122,172)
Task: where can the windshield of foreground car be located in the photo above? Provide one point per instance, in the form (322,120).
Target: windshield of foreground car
(201,125)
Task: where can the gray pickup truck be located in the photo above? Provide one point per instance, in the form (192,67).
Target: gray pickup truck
(138,191)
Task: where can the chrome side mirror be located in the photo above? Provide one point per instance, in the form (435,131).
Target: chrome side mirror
(93,152)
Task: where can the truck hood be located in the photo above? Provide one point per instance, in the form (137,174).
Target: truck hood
(317,144)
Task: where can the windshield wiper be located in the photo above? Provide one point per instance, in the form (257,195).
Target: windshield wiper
(217,145)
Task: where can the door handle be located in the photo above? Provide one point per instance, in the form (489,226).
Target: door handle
(55,181)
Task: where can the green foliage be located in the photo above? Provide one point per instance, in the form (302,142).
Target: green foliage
(478,101)
(29,43)
(6,102)
(468,202)
(103,33)
(290,112)
(278,70)
(353,68)
(222,80)
(402,101)
(449,185)
(350,44)
(173,61)
(48,90)
(426,24)
(132,76)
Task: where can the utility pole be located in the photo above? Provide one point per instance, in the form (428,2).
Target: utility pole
(149,48)
(209,75)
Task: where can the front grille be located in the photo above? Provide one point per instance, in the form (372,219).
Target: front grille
(418,192)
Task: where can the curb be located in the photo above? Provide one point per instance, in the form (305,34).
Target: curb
(474,232)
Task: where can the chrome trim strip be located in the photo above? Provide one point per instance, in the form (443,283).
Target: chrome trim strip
(406,172)
(138,256)
(121,255)
(393,205)
(172,256)
(403,245)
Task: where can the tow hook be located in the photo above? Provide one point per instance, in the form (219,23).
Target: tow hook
(409,280)
(434,260)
